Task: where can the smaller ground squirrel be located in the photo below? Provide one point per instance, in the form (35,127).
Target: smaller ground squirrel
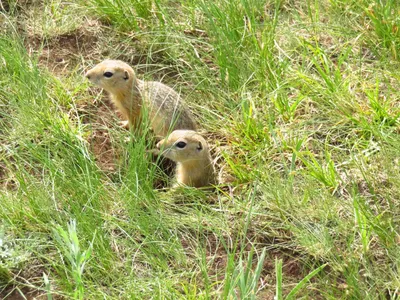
(166,109)
(191,153)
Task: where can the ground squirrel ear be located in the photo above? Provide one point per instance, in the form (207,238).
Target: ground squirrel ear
(126,75)
(200,146)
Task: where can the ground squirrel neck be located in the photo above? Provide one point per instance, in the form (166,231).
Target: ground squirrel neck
(189,173)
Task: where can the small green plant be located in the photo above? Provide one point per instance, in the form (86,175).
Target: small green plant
(286,106)
(361,219)
(252,126)
(279,286)
(384,16)
(67,242)
(330,72)
(244,282)
(294,145)
(381,108)
(47,286)
(324,172)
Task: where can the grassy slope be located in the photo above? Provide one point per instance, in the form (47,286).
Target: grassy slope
(301,102)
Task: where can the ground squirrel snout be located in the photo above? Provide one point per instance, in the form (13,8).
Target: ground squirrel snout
(191,153)
(167,111)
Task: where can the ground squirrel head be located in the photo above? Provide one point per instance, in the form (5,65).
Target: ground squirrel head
(184,146)
(112,75)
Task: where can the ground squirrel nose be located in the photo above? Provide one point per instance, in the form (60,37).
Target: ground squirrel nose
(87,75)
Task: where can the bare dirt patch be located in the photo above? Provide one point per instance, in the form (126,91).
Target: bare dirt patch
(63,52)
(24,293)
(99,116)
(26,284)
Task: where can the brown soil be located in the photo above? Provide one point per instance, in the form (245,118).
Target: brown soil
(62,53)
(100,117)
(23,293)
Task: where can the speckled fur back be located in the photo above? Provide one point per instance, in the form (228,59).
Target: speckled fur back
(167,110)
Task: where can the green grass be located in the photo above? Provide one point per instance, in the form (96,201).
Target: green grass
(300,102)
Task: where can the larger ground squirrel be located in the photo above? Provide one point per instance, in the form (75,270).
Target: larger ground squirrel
(166,110)
(191,153)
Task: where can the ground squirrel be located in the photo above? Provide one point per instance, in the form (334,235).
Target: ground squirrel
(166,110)
(191,153)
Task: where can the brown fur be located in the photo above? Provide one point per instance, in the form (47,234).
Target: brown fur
(167,112)
(194,164)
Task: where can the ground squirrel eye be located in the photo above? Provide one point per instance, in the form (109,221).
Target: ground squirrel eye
(108,74)
(181,145)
